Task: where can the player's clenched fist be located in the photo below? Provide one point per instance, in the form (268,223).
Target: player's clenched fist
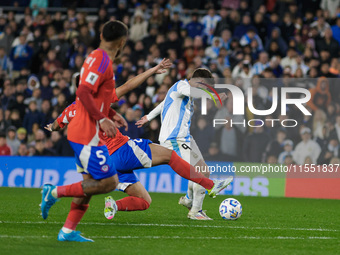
(108,127)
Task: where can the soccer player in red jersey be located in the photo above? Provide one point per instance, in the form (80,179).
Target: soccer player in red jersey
(86,131)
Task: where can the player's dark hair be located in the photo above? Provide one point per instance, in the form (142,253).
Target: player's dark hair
(114,30)
(202,73)
(205,74)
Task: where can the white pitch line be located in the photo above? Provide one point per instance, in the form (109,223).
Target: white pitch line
(187,237)
(170,225)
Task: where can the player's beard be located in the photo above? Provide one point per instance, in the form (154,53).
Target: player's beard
(117,56)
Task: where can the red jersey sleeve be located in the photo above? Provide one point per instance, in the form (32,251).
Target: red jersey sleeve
(92,72)
(114,96)
(67,115)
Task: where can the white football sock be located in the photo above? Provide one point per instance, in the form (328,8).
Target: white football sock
(54,193)
(199,194)
(189,194)
(66,230)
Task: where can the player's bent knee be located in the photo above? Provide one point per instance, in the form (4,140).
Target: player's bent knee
(147,199)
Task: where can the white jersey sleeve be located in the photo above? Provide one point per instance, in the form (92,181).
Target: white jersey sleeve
(155,112)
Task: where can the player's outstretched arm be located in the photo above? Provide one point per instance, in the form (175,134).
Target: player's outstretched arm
(153,114)
(139,79)
(53,126)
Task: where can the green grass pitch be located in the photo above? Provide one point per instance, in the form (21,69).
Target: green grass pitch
(267,226)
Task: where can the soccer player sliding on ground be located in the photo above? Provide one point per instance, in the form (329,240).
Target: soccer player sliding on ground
(176,111)
(128,154)
(85,132)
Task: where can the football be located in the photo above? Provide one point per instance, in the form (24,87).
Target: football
(230,209)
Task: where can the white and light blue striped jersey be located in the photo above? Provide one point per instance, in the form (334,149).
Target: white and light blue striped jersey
(176,111)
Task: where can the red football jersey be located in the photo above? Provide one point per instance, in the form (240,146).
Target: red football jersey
(112,144)
(97,74)
(67,115)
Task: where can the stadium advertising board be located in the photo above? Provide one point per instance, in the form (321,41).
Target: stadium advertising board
(32,172)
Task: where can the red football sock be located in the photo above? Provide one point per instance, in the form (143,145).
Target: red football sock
(132,204)
(73,190)
(74,216)
(187,171)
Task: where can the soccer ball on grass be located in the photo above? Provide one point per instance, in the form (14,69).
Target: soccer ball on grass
(230,209)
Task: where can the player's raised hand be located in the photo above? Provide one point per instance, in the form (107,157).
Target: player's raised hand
(162,66)
(109,127)
(142,121)
(49,127)
(120,121)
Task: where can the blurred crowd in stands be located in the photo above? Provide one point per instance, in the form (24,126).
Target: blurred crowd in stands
(253,44)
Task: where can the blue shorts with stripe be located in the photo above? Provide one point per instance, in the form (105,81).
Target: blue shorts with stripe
(94,160)
(134,154)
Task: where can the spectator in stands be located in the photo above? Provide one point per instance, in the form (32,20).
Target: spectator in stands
(261,64)
(288,146)
(32,116)
(329,151)
(23,150)
(22,135)
(246,25)
(36,5)
(5,150)
(320,25)
(6,39)
(255,144)
(276,147)
(307,149)
(250,37)
(209,22)
(320,96)
(203,134)
(331,6)
(280,42)
(12,141)
(229,144)
(133,132)
(336,130)
(224,24)
(328,43)
(336,29)
(138,29)
(20,55)
(5,63)
(41,150)
(290,59)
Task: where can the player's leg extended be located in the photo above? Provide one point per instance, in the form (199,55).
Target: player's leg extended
(79,206)
(162,155)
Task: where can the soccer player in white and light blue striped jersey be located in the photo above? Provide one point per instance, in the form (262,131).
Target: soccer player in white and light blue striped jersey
(176,111)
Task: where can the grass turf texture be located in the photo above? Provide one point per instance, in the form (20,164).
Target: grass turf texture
(267,226)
